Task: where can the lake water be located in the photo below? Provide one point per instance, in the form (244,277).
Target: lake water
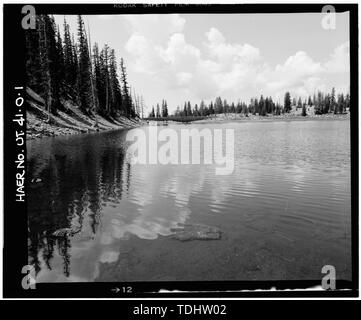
(284,213)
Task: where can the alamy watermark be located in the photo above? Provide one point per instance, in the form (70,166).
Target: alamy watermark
(29,20)
(168,146)
(29,280)
(329,280)
(328,21)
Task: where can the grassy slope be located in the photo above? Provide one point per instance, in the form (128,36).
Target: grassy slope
(70,121)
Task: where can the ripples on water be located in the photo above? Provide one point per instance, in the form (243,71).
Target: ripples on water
(284,212)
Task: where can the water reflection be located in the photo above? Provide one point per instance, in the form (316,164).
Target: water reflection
(85,186)
(287,200)
(77,177)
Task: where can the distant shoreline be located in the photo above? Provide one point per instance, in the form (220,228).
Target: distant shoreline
(285,117)
(38,128)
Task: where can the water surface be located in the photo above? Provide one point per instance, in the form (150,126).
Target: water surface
(284,212)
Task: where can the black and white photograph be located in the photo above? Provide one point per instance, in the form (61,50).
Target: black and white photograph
(180,147)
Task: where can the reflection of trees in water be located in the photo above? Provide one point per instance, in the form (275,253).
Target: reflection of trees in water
(76,180)
(48,251)
(64,247)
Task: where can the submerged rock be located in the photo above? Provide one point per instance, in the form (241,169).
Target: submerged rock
(65,232)
(187,232)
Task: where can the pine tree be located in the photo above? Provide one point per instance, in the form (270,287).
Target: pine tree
(299,103)
(327,104)
(127,102)
(195,110)
(277,109)
(50,83)
(85,94)
(76,70)
(319,107)
(211,108)
(70,59)
(269,105)
(137,103)
(158,115)
(218,105)
(97,77)
(101,70)
(59,67)
(202,107)
(245,109)
(262,106)
(333,107)
(152,114)
(164,109)
(348,102)
(115,90)
(33,61)
(60,56)
(185,109)
(256,107)
(287,102)
(304,112)
(189,109)
(309,101)
(92,78)
(206,111)
(225,106)
(340,103)
(142,105)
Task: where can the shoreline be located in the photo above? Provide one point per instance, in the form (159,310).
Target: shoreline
(46,130)
(72,121)
(269,118)
(69,121)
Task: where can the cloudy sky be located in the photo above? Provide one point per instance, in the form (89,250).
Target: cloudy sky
(236,56)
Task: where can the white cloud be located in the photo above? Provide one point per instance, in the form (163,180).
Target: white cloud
(147,59)
(301,75)
(179,54)
(296,74)
(217,67)
(155,27)
(340,59)
(299,65)
(230,53)
(215,37)
(184,78)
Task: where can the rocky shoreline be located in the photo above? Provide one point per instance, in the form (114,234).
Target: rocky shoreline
(71,120)
(36,128)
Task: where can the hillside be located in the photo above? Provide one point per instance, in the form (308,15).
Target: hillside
(70,120)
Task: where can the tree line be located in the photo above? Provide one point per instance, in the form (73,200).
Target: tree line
(323,103)
(65,68)
(161,112)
